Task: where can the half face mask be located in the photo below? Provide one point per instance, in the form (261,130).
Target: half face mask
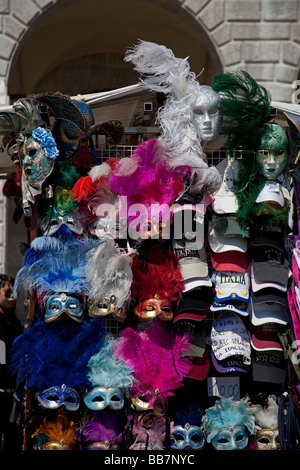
(149,309)
(55,397)
(106,308)
(58,304)
(272,153)
(235,438)
(149,399)
(267,439)
(187,438)
(206,113)
(101,397)
(53,224)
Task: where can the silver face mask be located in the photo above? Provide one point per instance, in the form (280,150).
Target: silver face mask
(206,114)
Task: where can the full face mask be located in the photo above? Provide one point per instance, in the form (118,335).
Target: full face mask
(187,438)
(101,397)
(206,113)
(272,153)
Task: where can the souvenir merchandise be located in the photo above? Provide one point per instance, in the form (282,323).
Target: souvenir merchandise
(150,353)
(180,118)
(228,424)
(103,431)
(161,278)
(266,421)
(55,435)
(148,432)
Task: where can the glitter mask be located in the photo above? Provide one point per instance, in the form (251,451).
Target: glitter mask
(106,308)
(235,438)
(57,304)
(151,308)
(50,226)
(149,399)
(267,439)
(206,113)
(272,154)
(36,165)
(101,397)
(187,438)
(55,397)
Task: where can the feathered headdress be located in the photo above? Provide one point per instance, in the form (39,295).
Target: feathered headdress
(55,435)
(227,413)
(157,357)
(105,370)
(157,274)
(94,196)
(109,276)
(103,432)
(52,354)
(162,72)
(53,265)
(145,179)
(148,432)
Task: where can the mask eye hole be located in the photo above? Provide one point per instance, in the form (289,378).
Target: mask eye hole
(264,153)
(32,152)
(53,398)
(239,437)
(264,440)
(97,399)
(70,400)
(198,111)
(196,438)
(165,308)
(148,308)
(279,153)
(178,437)
(115,398)
(53,223)
(213,110)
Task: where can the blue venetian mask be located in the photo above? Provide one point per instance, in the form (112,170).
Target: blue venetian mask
(57,304)
(101,397)
(235,438)
(187,438)
(54,397)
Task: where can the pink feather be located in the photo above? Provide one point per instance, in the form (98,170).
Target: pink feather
(156,356)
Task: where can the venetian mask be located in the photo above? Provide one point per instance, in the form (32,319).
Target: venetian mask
(55,397)
(206,113)
(101,397)
(267,439)
(58,304)
(187,438)
(233,438)
(272,153)
(149,309)
(149,399)
(106,308)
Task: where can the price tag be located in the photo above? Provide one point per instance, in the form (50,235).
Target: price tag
(224,387)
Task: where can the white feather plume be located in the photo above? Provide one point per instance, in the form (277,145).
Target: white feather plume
(267,418)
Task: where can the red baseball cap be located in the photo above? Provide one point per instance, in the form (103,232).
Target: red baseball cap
(230,261)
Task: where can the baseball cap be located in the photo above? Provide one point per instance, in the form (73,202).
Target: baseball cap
(194,304)
(257,285)
(192,260)
(225,199)
(265,337)
(231,285)
(271,192)
(229,261)
(227,225)
(270,238)
(232,305)
(233,363)
(221,243)
(195,202)
(270,295)
(269,366)
(197,331)
(229,337)
(269,261)
(190,284)
(200,366)
(268,313)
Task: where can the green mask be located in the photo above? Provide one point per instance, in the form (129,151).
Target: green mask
(272,153)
